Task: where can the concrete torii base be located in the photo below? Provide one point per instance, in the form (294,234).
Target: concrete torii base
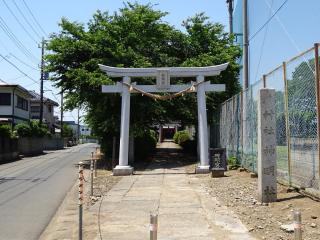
(202,169)
(122,170)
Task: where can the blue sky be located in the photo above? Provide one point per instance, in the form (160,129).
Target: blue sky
(48,13)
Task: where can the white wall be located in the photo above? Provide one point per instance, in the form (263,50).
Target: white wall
(18,112)
(7,110)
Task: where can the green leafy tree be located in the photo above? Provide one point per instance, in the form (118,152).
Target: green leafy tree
(137,36)
(67,131)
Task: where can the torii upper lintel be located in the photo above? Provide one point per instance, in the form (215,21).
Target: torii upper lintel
(174,71)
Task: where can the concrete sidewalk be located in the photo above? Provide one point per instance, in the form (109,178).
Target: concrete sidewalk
(186,210)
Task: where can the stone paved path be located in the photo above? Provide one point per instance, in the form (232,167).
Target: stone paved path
(185,209)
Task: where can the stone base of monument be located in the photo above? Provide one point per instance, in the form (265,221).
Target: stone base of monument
(122,170)
(202,169)
(217,172)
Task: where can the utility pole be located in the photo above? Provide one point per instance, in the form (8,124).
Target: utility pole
(41,81)
(245,46)
(61,114)
(230,9)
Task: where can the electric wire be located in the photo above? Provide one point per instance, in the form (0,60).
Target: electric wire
(16,41)
(17,68)
(26,75)
(266,23)
(293,42)
(24,63)
(262,45)
(34,18)
(26,20)
(18,21)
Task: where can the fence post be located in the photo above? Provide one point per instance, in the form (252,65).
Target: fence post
(95,162)
(80,198)
(153,226)
(241,125)
(297,225)
(286,107)
(317,79)
(91,175)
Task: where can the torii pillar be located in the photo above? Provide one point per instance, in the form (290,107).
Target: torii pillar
(163,85)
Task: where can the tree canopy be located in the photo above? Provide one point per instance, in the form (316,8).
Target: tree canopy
(137,36)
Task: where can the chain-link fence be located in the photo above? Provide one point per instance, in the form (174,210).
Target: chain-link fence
(297,121)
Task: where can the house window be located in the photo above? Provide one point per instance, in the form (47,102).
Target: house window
(22,103)
(5,99)
(50,108)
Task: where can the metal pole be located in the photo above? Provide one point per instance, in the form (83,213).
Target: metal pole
(317,79)
(91,175)
(61,114)
(80,198)
(230,10)
(264,79)
(286,107)
(41,82)
(153,226)
(245,45)
(78,136)
(297,225)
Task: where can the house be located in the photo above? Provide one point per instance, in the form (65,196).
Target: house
(14,103)
(85,130)
(48,110)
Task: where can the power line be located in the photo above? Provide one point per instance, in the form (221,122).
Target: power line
(15,40)
(12,64)
(24,17)
(26,75)
(18,21)
(293,42)
(265,24)
(34,19)
(24,63)
(262,45)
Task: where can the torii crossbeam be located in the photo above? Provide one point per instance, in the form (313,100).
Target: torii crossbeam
(163,85)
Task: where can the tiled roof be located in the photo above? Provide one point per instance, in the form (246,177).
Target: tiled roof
(5,84)
(36,97)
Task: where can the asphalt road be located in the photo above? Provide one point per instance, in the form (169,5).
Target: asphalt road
(32,189)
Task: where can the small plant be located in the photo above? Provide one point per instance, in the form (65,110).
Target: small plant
(180,137)
(38,130)
(5,131)
(23,130)
(32,130)
(233,163)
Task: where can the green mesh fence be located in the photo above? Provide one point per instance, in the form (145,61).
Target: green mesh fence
(302,110)
(231,128)
(296,123)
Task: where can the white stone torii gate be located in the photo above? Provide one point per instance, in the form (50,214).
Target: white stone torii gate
(163,85)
